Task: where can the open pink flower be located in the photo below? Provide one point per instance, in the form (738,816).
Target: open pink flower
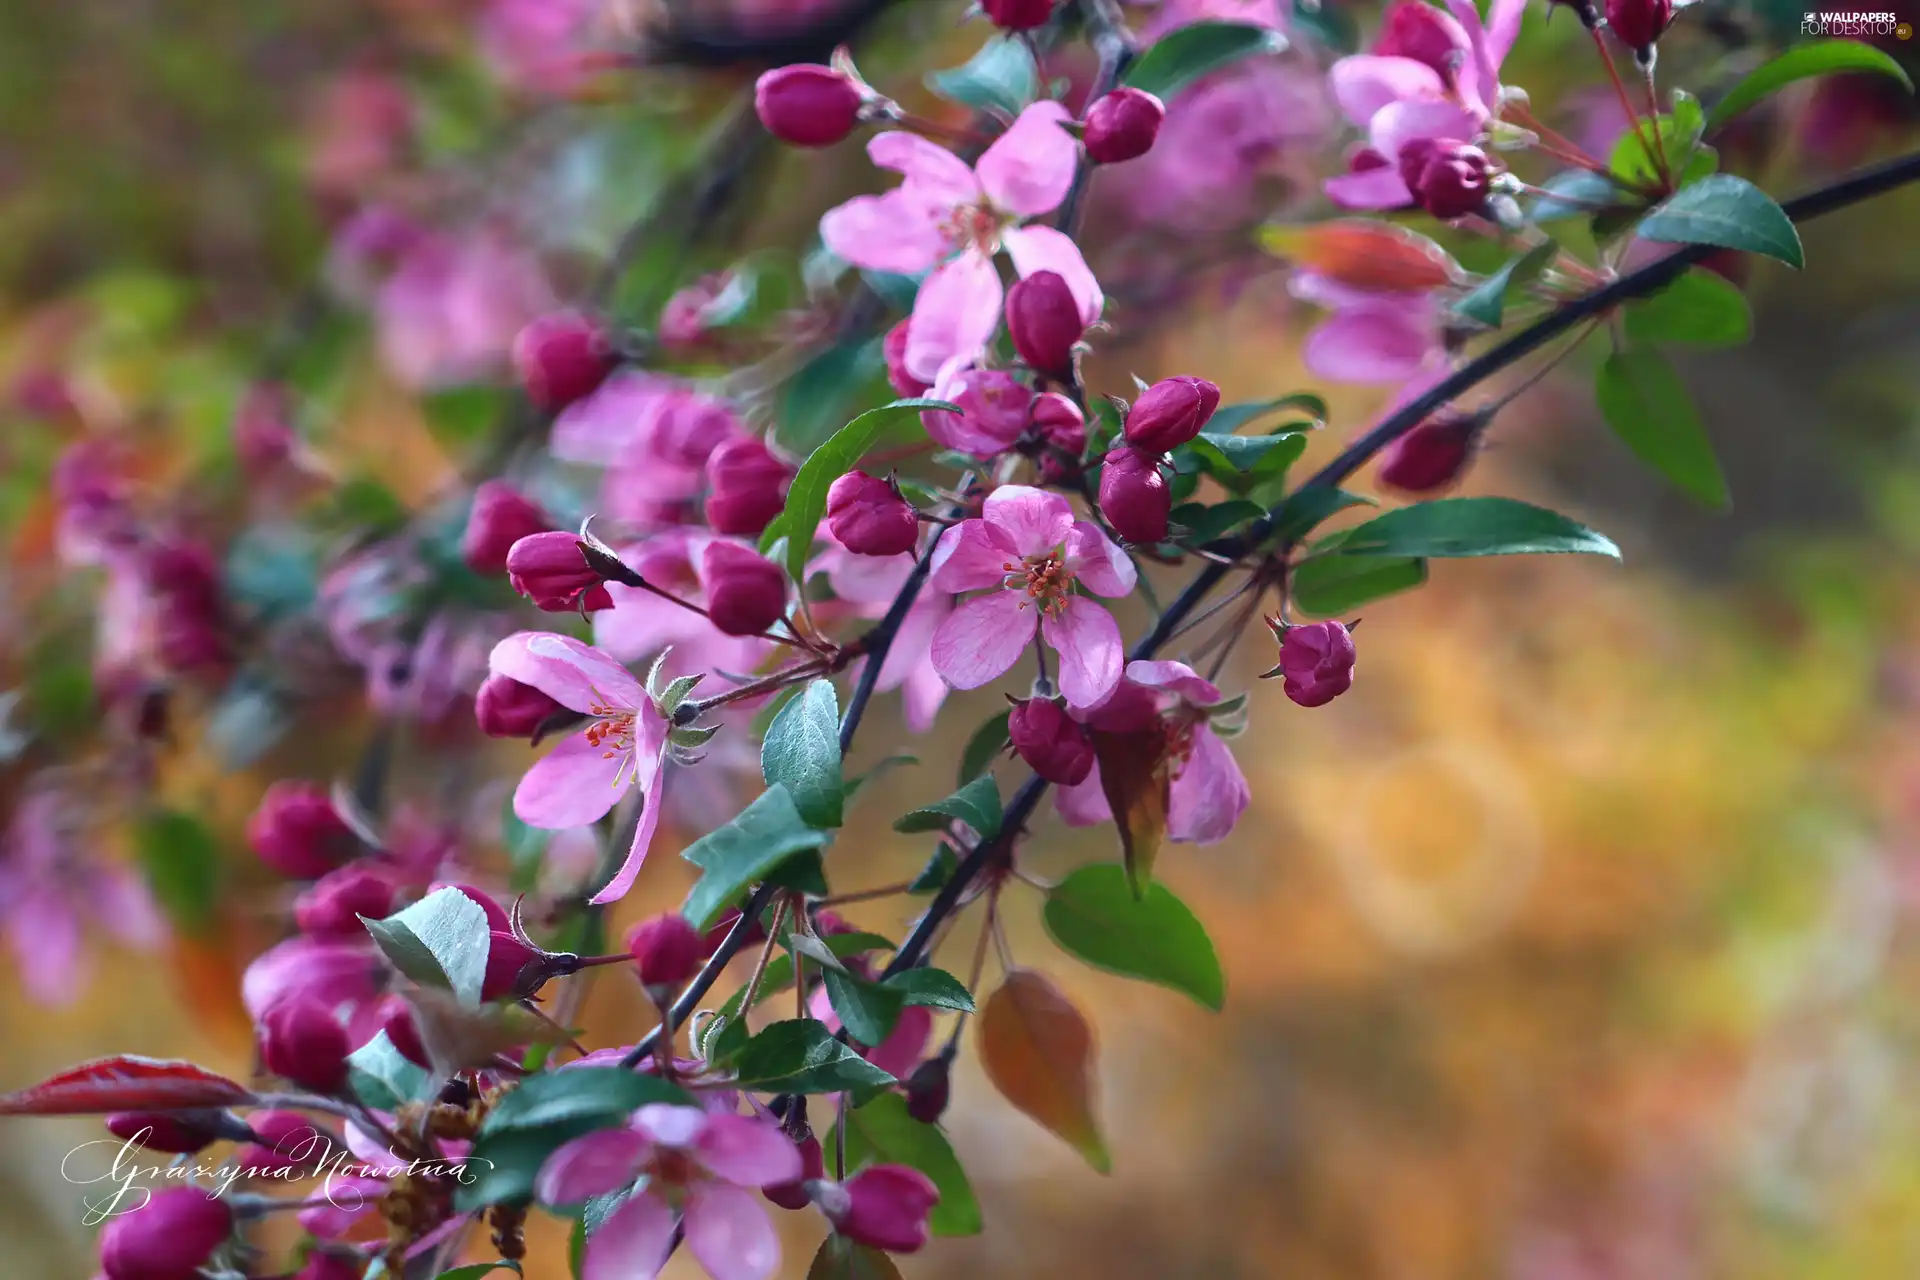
(1207,793)
(869,584)
(1025,554)
(625,744)
(641,624)
(701,1167)
(951,219)
(653,435)
(1372,336)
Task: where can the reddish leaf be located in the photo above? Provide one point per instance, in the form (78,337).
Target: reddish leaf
(1365,255)
(841,1259)
(1135,778)
(125,1083)
(1038,1051)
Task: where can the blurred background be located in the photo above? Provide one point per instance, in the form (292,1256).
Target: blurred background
(1578,942)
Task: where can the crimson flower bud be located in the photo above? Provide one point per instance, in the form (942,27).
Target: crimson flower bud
(302,1041)
(549,569)
(1062,428)
(1017,15)
(1171,412)
(749,486)
(929,1089)
(869,517)
(289,1140)
(886,1207)
(562,357)
(746,592)
(807,105)
(1134,496)
(175,1132)
(668,951)
(895,348)
(1432,455)
(793,1195)
(1044,322)
(505,708)
(297,831)
(1317,660)
(167,1238)
(1639,23)
(1449,179)
(1122,125)
(403,1033)
(1053,744)
(332,906)
(1425,33)
(756,932)
(514,969)
(500,517)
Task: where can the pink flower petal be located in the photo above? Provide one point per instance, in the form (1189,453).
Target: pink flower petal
(336,972)
(1176,678)
(1083,804)
(1322,291)
(954,315)
(45,934)
(908,653)
(1039,248)
(346,1201)
(1029,168)
(1035,521)
(576,675)
(906,1044)
(594,1165)
(1367,345)
(669,1124)
(982,638)
(728,1232)
(1099,564)
(971,556)
(936,174)
(1365,83)
(923,693)
(1369,189)
(653,788)
(890,232)
(1396,125)
(574,784)
(1091,654)
(1210,793)
(632,1243)
(748,1152)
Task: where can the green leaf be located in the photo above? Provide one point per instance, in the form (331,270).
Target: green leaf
(866,1009)
(977,804)
(779,974)
(1728,212)
(1325,585)
(986,743)
(383,1079)
(525,847)
(807,496)
(760,837)
(1094,915)
(501,1167)
(1486,303)
(1573,193)
(881,1132)
(1647,406)
(475,1270)
(1184,54)
(1304,510)
(1203,523)
(181,861)
(460,417)
(939,869)
(1470,527)
(802,753)
(801,1056)
(1816,58)
(1700,309)
(440,941)
(1637,161)
(1229,418)
(606,1094)
(1000,77)
(1229,457)
(933,988)
(816,400)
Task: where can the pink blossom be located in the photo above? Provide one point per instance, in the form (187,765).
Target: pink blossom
(702,1168)
(653,434)
(1027,551)
(952,219)
(624,745)
(869,584)
(540,46)
(453,305)
(1169,15)
(1208,793)
(50,890)
(1371,337)
(642,624)
(344,974)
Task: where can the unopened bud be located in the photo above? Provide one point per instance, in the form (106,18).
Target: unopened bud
(1043,319)
(561,358)
(515,970)
(1134,496)
(302,1041)
(505,708)
(1425,33)
(886,1207)
(895,348)
(549,569)
(498,921)
(746,592)
(793,1195)
(500,517)
(167,1237)
(1432,455)
(1171,412)
(667,950)
(1317,660)
(1062,432)
(1017,15)
(288,1141)
(1639,23)
(174,1132)
(332,906)
(1122,125)
(297,831)
(807,105)
(1053,744)
(869,517)
(929,1089)
(749,486)
(1448,178)
(403,1032)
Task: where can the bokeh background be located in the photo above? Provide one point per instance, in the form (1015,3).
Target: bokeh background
(1578,942)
